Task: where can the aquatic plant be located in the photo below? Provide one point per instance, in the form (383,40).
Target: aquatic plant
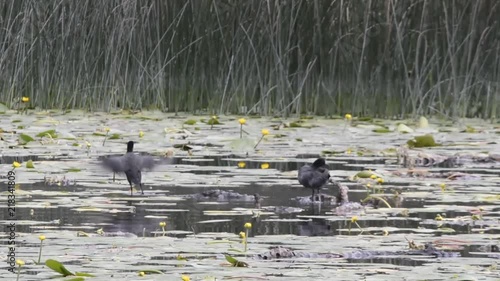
(61,269)
(19,263)
(162,225)
(42,238)
(106,136)
(242,122)
(354,220)
(264,133)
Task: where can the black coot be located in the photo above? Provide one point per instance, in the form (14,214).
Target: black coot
(131,164)
(314,176)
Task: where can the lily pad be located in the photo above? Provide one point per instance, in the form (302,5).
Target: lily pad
(190,122)
(49,133)
(24,139)
(422,141)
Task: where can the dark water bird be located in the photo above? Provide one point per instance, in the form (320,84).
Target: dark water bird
(314,176)
(131,164)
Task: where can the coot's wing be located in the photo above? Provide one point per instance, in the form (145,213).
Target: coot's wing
(305,175)
(145,162)
(319,177)
(116,164)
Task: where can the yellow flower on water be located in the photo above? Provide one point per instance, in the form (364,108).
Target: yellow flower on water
(354,219)
(386,232)
(41,237)
(88,144)
(242,121)
(141,134)
(142,273)
(25,99)
(348,151)
(264,166)
(265,132)
(248,225)
(439,217)
(242,235)
(214,117)
(185,278)
(380,180)
(242,165)
(442,186)
(368,185)
(373,177)
(163,224)
(348,116)
(107,129)
(20,262)
(16,164)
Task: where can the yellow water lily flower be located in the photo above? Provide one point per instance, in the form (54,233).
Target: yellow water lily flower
(41,237)
(380,180)
(16,164)
(373,177)
(163,224)
(264,166)
(185,278)
(348,116)
(20,262)
(242,235)
(354,219)
(141,134)
(25,99)
(248,225)
(265,132)
(242,165)
(442,186)
(107,129)
(242,121)
(142,273)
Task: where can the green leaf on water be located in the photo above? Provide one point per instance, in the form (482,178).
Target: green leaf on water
(422,141)
(213,121)
(75,279)
(58,267)
(73,170)
(365,174)
(235,262)
(48,133)
(84,274)
(29,164)
(381,130)
(24,139)
(115,137)
(190,122)
(151,271)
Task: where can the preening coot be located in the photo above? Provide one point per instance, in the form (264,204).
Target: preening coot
(314,176)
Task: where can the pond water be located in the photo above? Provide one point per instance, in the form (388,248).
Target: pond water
(69,198)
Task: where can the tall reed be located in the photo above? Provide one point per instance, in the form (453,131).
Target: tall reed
(378,58)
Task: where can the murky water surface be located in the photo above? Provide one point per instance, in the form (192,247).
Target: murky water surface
(206,195)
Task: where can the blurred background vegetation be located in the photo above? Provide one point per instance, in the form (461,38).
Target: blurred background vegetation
(380,58)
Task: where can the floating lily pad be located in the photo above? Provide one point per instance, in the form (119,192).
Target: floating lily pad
(422,141)
(24,139)
(49,133)
(190,122)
